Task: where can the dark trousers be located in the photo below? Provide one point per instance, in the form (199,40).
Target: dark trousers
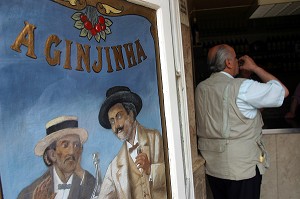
(232,189)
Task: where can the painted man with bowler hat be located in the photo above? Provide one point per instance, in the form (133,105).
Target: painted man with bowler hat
(61,150)
(138,170)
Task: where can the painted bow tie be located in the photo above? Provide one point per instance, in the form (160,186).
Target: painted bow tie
(64,186)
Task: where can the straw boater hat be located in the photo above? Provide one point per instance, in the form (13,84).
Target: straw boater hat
(114,95)
(56,129)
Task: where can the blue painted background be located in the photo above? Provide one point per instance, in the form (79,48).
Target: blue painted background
(32,92)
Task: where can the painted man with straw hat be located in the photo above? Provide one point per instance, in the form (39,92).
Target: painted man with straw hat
(138,170)
(61,150)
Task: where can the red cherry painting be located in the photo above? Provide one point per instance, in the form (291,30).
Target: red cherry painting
(83,18)
(96,26)
(88,25)
(101,20)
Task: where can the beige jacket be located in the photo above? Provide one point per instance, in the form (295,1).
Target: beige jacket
(116,183)
(229,142)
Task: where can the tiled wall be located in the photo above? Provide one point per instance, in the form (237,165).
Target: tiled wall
(282,179)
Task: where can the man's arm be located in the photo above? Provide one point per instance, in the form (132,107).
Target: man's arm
(250,65)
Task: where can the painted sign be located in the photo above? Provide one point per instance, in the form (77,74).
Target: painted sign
(80,86)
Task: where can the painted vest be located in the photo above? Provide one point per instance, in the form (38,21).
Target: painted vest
(140,187)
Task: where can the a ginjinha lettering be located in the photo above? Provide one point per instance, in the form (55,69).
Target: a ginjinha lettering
(133,52)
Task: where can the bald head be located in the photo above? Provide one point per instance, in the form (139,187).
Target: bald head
(217,56)
(212,53)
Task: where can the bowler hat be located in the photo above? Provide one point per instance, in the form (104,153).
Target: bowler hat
(114,95)
(56,129)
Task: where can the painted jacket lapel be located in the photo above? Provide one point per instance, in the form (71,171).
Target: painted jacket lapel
(143,140)
(122,173)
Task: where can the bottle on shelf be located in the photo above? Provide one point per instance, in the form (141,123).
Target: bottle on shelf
(195,32)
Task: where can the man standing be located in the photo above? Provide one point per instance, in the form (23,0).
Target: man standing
(229,123)
(138,171)
(61,150)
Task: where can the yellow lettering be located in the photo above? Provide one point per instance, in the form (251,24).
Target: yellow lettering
(83,55)
(118,57)
(140,51)
(52,39)
(26,38)
(67,64)
(130,54)
(98,68)
(109,66)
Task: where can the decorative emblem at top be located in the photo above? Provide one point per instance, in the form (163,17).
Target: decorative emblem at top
(91,24)
(88,18)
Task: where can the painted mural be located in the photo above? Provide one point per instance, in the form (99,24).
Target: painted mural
(80,105)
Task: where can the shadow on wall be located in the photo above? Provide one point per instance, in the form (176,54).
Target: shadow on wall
(1,193)
(208,190)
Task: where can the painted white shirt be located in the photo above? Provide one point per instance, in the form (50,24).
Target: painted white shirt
(134,153)
(62,193)
(254,95)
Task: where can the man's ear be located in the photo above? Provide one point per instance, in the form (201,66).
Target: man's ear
(81,149)
(131,113)
(52,155)
(228,63)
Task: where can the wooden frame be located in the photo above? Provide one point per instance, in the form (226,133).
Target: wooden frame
(19,52)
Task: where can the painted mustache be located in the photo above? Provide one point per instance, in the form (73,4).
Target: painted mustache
(119,129)
(70,158)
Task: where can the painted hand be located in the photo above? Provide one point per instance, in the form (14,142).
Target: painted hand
(143,162)
(42,190)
